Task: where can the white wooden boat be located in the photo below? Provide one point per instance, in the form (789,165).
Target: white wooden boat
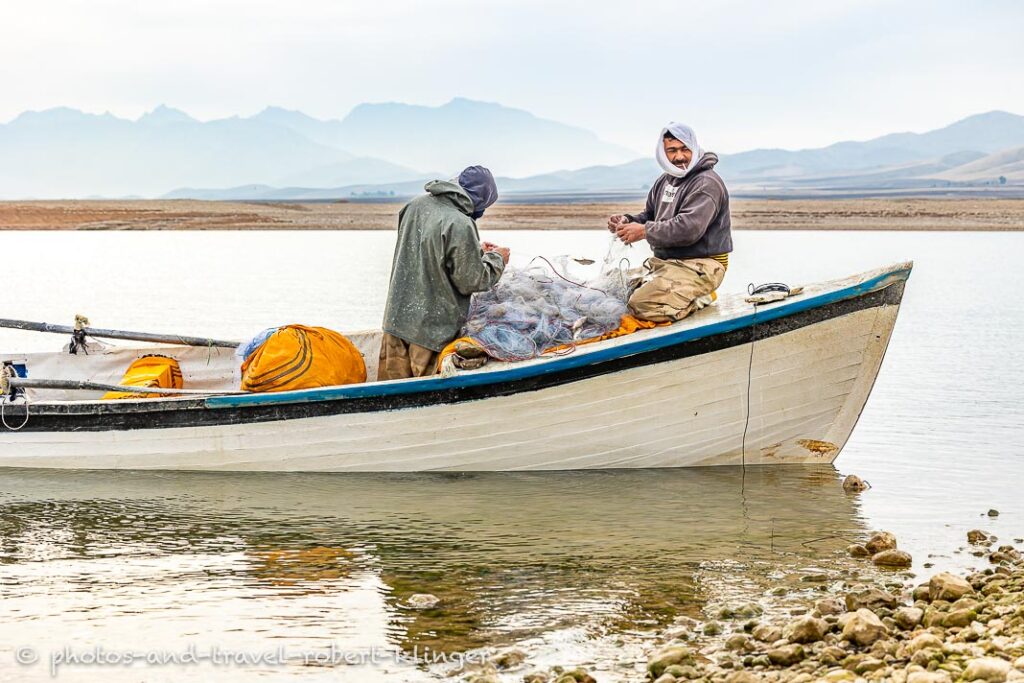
(733,384)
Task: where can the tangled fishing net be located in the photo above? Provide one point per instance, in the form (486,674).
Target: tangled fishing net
(546,305)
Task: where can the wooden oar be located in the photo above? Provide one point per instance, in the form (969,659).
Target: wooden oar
(118,334)
(77,385)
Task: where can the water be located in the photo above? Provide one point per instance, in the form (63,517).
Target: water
(572,567)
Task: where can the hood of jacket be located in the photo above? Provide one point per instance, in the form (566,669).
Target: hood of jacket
(688,137)
(706,163)
(478,182)
(452,191)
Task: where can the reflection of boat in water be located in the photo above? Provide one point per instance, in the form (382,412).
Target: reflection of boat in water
(782,383)
(510,555)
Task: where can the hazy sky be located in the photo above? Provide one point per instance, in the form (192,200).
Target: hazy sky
(743,73)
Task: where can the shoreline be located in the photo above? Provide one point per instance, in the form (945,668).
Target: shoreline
(911,215)
(889,627)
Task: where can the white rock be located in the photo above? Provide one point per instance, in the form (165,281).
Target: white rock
(945,586)
(923,642)
(806,629)
(929,677)
(423,601)
(908,617)
(989,669)
(864,627)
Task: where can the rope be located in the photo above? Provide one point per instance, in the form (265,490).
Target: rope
(555,271)
(3,418)
(750,372)
(78,336)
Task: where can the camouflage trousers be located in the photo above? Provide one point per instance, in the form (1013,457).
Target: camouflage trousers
(673,288)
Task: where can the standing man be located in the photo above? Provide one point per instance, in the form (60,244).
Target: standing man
(686,222)
(439,263)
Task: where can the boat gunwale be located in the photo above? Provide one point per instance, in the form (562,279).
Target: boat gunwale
(544,365)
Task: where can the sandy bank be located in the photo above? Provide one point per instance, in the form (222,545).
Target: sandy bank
(748,214)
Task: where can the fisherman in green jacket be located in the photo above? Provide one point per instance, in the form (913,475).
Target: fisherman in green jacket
(439,263)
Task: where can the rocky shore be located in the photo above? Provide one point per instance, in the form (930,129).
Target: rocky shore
(893,628)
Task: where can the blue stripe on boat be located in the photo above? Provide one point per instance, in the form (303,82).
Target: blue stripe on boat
(563,362)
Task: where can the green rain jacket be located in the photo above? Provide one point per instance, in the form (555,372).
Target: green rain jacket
(438,265)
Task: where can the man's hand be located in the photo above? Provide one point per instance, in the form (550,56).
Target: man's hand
(501,251)
(616,222)
(631,232)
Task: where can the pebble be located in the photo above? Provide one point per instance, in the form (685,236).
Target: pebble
(959,618)
(929,677)
(923,642)
(743,677)
(892,558)
(422,601)
(870,598)
(952,628)
(827,606)
(509,659)
(864,627)
(786,655)
(712,628)
(806,629)
(854,484)
(976,536)
(668,656)
(908,617)
(767,633)
(945,586)
(879,541)
(737,641)
(987,669)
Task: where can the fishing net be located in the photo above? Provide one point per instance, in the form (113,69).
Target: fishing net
(547,304)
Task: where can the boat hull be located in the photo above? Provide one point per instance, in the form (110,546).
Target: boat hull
(773,386)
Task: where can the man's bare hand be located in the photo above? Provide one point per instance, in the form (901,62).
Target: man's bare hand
(631,232)
(501,251)
(616,222)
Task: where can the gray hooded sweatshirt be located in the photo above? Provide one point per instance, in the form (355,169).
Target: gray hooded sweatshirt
(688,217)
(438,265)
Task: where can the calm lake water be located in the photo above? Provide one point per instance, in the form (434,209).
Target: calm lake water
(574,568)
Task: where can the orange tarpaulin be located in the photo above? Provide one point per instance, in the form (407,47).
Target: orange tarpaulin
(149,371)
(628,325)
(300,357)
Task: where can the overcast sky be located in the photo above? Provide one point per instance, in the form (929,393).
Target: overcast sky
(743,73)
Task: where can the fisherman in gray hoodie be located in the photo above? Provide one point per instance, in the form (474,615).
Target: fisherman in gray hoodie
(439,263)
(686,222)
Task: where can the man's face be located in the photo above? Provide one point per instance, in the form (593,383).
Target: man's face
(678,153)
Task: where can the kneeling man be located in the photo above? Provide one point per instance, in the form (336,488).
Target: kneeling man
(686,222)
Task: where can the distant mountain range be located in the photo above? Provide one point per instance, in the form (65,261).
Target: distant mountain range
(380,150)
(67,153)
(455,135)
(982,133)
(985,150)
